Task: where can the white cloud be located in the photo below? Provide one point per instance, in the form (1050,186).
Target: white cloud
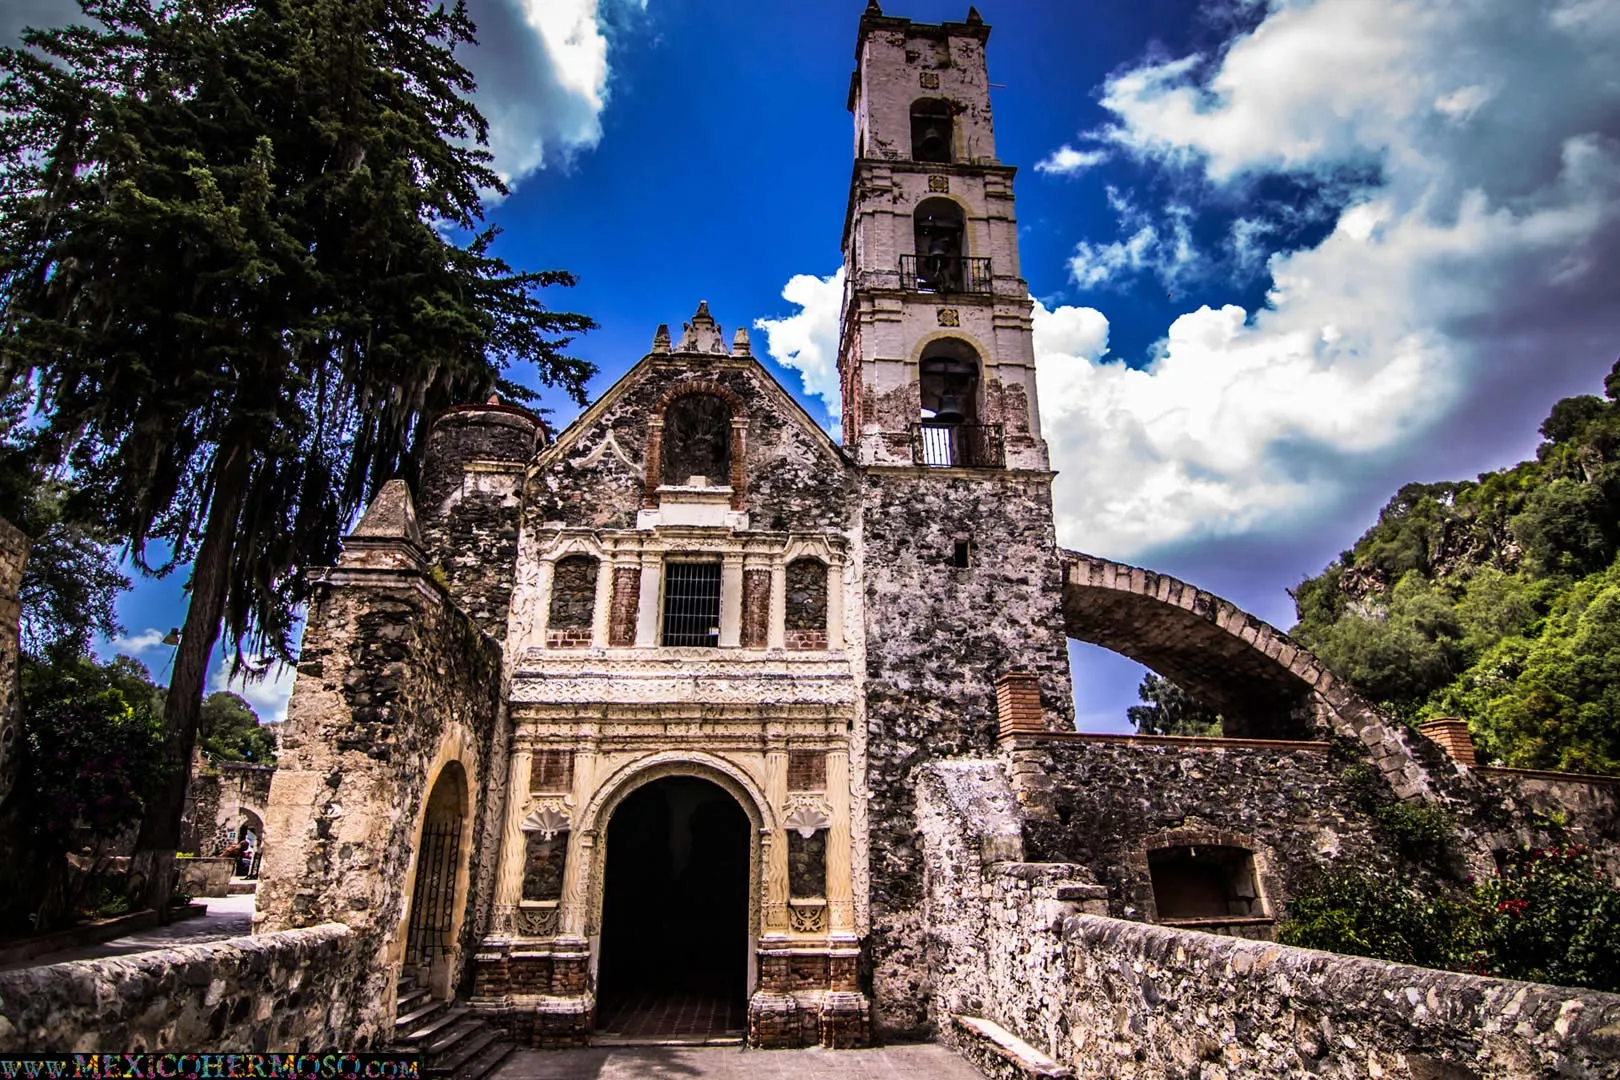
(267,695)
(1482,240)
(136,644)
(1067,161)
(1164,247)
(543,78)
(807,341)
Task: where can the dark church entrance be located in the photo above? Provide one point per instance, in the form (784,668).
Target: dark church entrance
(674,959)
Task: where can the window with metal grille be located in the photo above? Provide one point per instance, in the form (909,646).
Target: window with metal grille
(692,603)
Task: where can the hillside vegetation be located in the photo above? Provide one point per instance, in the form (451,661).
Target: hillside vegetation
(1497,600)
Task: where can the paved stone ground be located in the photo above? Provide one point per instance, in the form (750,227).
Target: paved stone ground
(227,917)
(922,1061)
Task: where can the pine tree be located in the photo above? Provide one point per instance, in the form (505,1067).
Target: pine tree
(229,282)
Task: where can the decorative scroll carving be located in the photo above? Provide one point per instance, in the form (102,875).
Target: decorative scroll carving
(807,918)
(536,921)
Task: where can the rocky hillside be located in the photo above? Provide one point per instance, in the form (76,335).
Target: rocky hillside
(1496,599)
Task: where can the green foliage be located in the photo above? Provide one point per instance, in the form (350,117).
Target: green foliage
(92,742)
(1421,832)
(1167,709)
(229,730)
(70,581)
(1550,915)
(1492,600)
(93,737)
(1367,912)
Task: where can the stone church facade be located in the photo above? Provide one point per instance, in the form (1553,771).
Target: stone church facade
(670,703)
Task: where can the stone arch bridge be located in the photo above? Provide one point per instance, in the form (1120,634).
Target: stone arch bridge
(1265,684)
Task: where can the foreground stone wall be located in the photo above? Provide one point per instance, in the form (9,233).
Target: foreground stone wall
(300,990)
(1137,1001)
(1025,946)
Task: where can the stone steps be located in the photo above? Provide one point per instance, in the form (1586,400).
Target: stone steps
(453,1040)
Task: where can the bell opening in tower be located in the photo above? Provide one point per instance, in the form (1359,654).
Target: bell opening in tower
(937,229)
(931,131)
(674,947)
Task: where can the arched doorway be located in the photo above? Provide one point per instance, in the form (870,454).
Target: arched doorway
(431,925)
(250,834)
(674,946)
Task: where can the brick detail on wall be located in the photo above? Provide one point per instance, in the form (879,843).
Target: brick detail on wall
(1452,735)
(807,770)
(626,604)
(756,608)
(551,771)
(805,640)
(569,639)
(1018,704)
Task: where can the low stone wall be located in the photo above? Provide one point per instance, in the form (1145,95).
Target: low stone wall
(1028,946)
(298,990)
(1118,1000)
(1113,800)
(205,876)
(1152,1001)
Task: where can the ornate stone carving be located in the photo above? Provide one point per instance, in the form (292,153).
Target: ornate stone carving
(548,818)
(936,183)
(536,921)
(928,80)
(949,316)
(806,816)
(807,918)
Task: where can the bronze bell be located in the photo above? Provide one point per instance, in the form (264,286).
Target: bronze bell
(934,145)
(949,411)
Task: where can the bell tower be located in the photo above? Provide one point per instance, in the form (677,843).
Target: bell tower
(936,356)
(962,585)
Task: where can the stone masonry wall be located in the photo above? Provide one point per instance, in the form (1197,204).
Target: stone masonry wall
(1111,797)
(392,676)
(793,480)
(13,555)
(472,479)
(1027,947)
(300,990)
(937,638)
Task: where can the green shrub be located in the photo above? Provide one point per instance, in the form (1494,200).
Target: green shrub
(1370,913)
(1549,915)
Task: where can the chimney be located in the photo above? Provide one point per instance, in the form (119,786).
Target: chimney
(1018,704)
(1451,733)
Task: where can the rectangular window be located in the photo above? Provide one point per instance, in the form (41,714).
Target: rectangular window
(692,603)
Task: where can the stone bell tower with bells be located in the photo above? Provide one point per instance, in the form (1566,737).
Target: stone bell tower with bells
(937,365)
(936,354)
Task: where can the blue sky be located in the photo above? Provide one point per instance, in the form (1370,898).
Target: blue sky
(1289,255)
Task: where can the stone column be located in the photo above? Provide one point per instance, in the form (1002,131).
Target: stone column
(739,459)
(602,614)
(776,851)
(575,913)
(655,453)
(835,606)
(652,580)
(731,599)
(541,599)
(776,637)
(840,882)
(509,885)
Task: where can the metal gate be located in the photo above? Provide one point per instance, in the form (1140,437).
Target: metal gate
(434,894)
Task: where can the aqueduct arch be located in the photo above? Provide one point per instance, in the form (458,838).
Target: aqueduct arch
(1264,684)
